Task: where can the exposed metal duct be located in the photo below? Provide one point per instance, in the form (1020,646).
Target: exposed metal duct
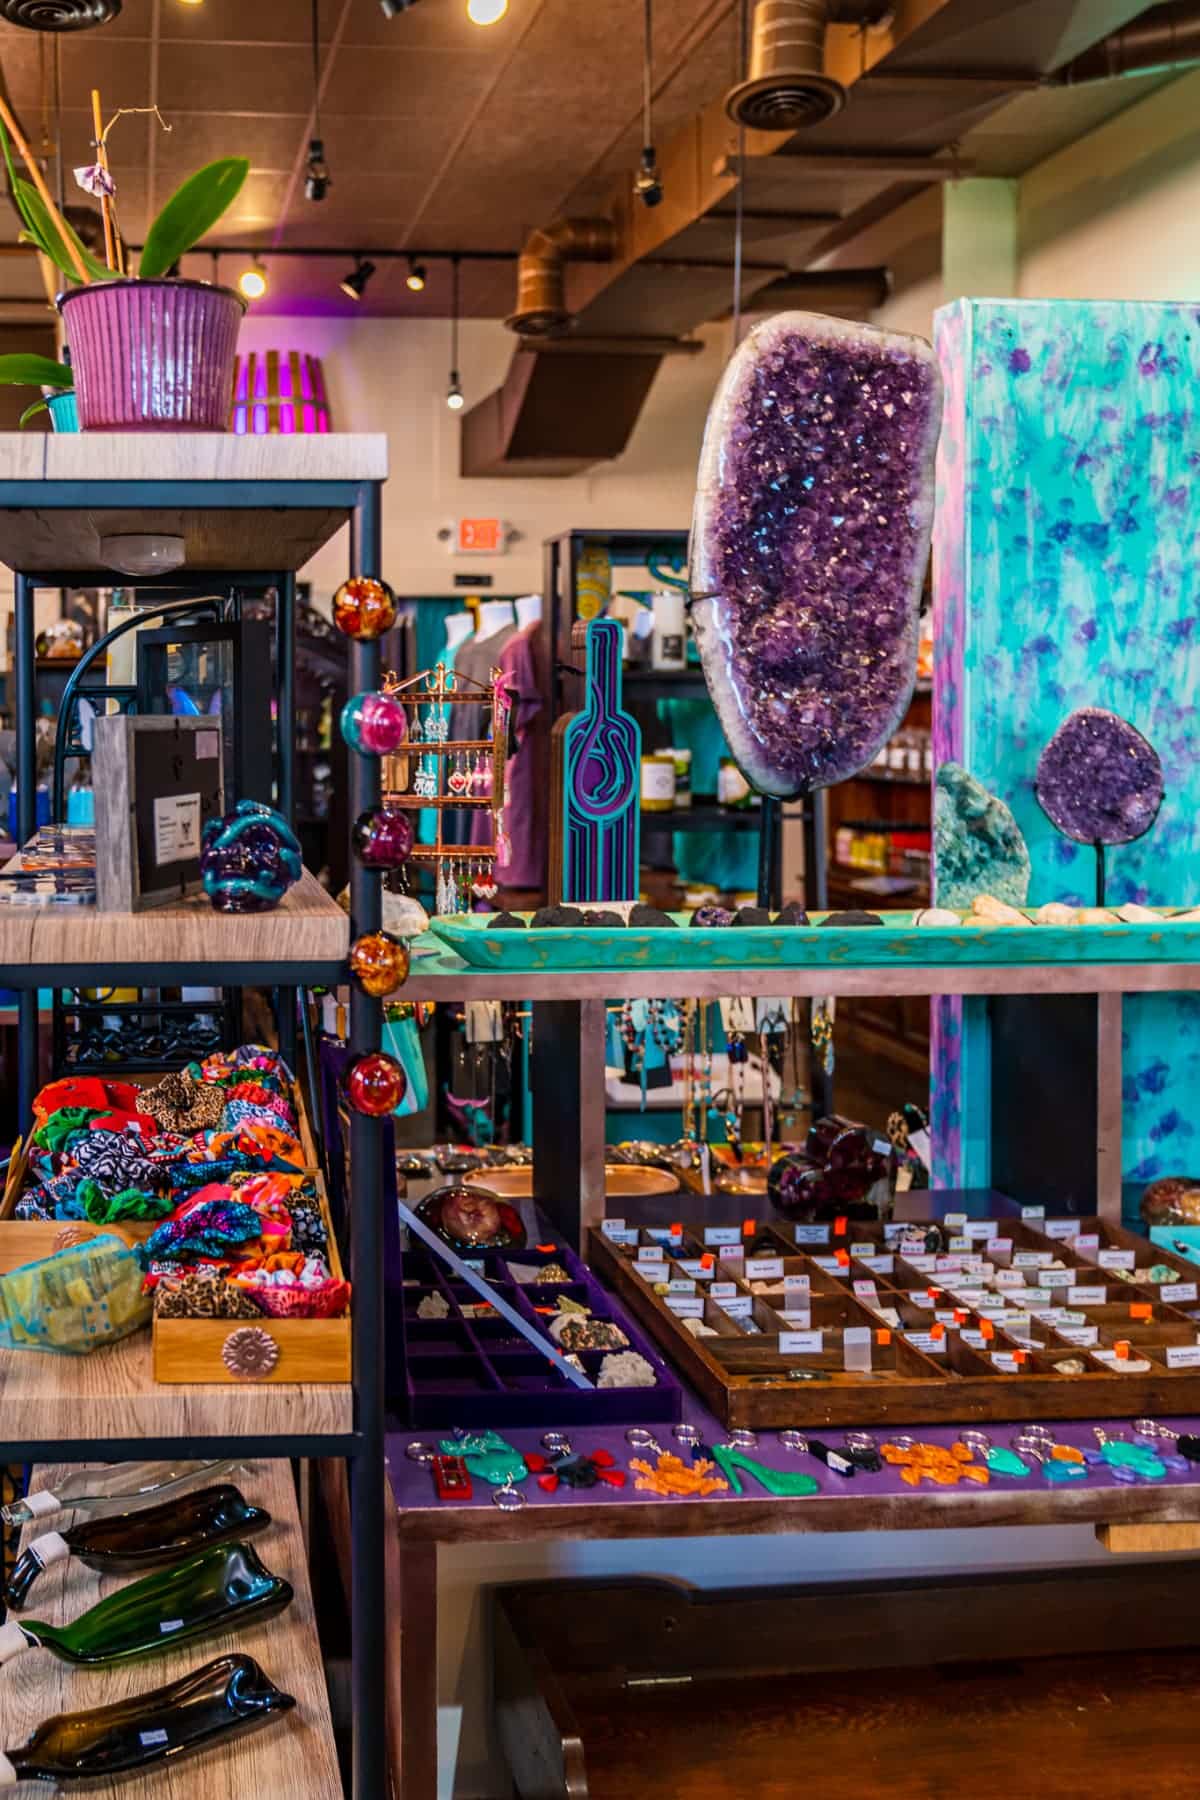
(787,88)
(1164,38)
(541,272)
(58,15)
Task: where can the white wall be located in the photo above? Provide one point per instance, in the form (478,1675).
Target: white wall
(390,375)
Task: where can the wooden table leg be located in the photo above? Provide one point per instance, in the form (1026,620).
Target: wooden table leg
(412,1723)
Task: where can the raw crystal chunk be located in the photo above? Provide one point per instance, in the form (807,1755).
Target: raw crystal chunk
(1098,779)
(977,844)
(809,544)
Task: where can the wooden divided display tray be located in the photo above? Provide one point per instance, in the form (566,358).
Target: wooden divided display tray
(862,1324)
(898,942)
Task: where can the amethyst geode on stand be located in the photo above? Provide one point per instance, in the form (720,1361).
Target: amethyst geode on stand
(1098,779)
(810,540)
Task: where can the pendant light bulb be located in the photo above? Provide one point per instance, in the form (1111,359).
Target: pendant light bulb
(252,282)
(454,393)
(486,12)
(415,280)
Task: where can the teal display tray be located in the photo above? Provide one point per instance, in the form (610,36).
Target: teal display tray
(898,942)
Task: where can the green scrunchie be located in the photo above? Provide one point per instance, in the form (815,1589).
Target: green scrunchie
(63,1125)
(131,1203)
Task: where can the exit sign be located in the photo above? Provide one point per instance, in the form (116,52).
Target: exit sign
(480,537)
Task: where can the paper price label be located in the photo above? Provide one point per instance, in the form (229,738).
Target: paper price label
(866,1290)
(925,1340)
(1087,1244)
(829,1264)
(797,1284)
(741,1306)
(959,1243)
(879,1265)
(650,1253)
(1117,1259)
(1183,1356)
(999,1246)
(979,1230)
(627,1235)
(799,1319)
(1090,1296)
(923,1262)
(1033,1212)
(722,1234)
(976,1339)
(723,1290)
(610,1226)
(801,1343)
(764,1268)
(1031,1259)
(1177,1291)
(812,1234)
(697,1270)
(953,1221)
(1062,1229)
(681,1287)
(1087,1335)
(1009,1278)
(685,1308)
(1005,1361)
(176,828)
(1055,1277)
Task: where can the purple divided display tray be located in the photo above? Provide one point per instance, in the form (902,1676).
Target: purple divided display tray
(470,1371)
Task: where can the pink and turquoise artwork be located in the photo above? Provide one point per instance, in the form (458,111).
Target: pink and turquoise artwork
(1066,576)
(602,757)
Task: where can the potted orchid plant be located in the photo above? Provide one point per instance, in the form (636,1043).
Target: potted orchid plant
(148,350)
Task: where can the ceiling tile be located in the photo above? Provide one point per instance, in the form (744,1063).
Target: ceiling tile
(214,78)
(120,68)
(243,21)
(374,146)
(271,141)
(406,84)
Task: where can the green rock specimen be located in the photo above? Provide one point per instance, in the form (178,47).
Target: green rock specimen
(977,844)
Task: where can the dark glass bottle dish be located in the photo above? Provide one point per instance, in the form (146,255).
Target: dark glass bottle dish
(134,1542)
(225,1697)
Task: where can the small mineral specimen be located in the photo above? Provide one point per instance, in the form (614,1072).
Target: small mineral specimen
(809,544)
(601,919)
(434,1306)
(1055,913)
(1172,1200)
(650,918)
(555,916)
(1098,779)
(978,846)
(853,917)
(752,915)
(992,911)
(1133,914)
(792,914)
(505,921)
(935,915)
(708,918)
(626,1369)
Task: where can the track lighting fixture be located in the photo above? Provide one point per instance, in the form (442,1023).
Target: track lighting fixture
(647,183)
(392,9)
(454,393)
(416,277)
(316,174)
(252,282)
(355,284)
(486,12)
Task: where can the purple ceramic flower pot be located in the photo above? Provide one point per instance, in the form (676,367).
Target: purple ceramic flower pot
(153,355)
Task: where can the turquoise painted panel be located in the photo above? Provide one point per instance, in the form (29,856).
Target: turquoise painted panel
(1066,574)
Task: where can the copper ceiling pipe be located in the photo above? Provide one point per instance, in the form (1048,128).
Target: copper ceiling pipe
(541,272)
(786,87)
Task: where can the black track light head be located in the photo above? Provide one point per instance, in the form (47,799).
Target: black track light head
(355,284)
(317,178)
(391,9)
(647,183)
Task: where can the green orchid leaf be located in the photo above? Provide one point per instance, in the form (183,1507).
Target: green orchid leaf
(192,210)
(22,370)
(31,412)
(49,239)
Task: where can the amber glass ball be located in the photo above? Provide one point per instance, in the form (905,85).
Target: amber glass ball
(379,963)
(364,607)
(375,1084)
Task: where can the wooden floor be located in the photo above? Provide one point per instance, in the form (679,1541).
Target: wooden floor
(1066,1728)
(291,1759)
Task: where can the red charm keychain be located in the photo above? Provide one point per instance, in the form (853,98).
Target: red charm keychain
(450,1478)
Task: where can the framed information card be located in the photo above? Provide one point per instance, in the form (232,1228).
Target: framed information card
(157,781)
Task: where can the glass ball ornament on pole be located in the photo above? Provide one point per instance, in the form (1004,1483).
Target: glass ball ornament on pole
(374,724)
(375,1084)
(383,837)
(379,963)
(364,608)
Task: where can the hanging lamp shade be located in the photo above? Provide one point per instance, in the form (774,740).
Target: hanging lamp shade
(279,391)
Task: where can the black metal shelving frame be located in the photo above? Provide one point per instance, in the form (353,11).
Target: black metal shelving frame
(363,1446)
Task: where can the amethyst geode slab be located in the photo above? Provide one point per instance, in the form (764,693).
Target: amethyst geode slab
(810,540)
(1098,779)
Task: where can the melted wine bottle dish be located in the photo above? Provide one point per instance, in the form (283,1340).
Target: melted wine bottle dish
(122,1487)
(133,1542)
(228,1696)
(221,1588)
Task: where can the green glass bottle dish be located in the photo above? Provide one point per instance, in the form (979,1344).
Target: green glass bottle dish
(133,1542)
(121,1487)
(225,1586)
(225,1697)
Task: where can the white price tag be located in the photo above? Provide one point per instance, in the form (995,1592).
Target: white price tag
(980,1230)
(801,1343)
(1033,1212)
(697,1270)
(1055,1277)
(811,1234)
(684,1307)
(176,828)
(999,1247)
(1087,1296)
(1062,1229)
(650,1253)
(959,1243)
(1084,1245)
(764,1268)
(612,1227)
(1177,1291)
(1086,1335)
(1031,1259)
(1183,1356)
(739,1306)
(797,1284)
(866,1290)
(723,1290)
(800,1321)
(953,1221)
(925,1340)
(1117,1259)
(1009,1278)
(722,1234)
(681,1287)
(879,1265)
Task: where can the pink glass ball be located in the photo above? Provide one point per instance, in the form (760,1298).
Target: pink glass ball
(383,839)
(374,724)
(364,608)
(375,1084)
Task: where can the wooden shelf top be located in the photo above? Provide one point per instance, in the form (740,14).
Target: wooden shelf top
(112,1394)
(38,534)
(295,1754)
(438,974)
(309,927)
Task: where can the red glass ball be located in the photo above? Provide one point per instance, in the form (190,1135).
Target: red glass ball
(364,607)
(375,1084)
(383,838)
(379,963)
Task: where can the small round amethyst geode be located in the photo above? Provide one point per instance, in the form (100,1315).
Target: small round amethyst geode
(810,541)
(1098,779)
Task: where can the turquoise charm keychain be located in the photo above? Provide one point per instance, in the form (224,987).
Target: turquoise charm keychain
(998,1460)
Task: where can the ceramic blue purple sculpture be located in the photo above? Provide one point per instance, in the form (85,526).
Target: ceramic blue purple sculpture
(249,859)
(810,541)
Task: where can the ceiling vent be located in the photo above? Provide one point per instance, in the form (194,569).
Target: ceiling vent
(787,88)
(58,15)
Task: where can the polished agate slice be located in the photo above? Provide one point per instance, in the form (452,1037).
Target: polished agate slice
(810,540)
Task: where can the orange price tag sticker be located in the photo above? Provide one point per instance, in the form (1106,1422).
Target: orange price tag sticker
(843,1257)
(938,1333)
(676,1230)
(883,1337)
(839,1227)
(1141,1311)
(960,1317)
(1019,1356)
(749,1227)
(932,1293)
(707,1260)
(545,1249)
(1122,1349)
(986,1328)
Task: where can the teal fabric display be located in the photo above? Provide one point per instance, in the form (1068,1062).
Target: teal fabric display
(726,859)
(402,1039)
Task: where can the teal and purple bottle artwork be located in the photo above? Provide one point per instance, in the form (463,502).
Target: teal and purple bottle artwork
(602,753)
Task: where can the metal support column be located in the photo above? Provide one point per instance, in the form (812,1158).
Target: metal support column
(285,767)
(816,899)
(367,1475)
(770,853)
(26,698)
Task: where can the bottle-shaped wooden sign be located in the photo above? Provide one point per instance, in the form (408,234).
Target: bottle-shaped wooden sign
(602,750)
